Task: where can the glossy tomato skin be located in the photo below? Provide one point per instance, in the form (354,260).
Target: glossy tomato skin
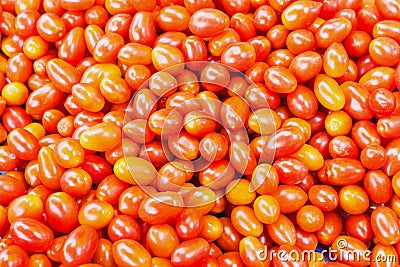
(49,170)
(230,238)
(15,117)
(290,198)
(352,244)
(218,19)
(163,210)
(303,102)
(14,256)
(103,254)
(377,181)
(123,227)
(331,228)
(324,197)
(11,188)
(318,161)
(392,164)
(162,240)
(381,251)
(282,231)
(290,170)
(343,167)
(79,247)
(24,144)
(357,101)
(28,206)
(110,189)
(95,213)
(61,207)
(127,252)
(385,226)
(97,167)
(190,252)
(359,226)
(31,234)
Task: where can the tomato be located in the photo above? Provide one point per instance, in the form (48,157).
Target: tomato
(76,182)
(239,56)
(331,229)
(220,41)
(351,244)
(160,203)
(249,249)
(385,226)
(127,252)
(211,228)
(328,92)
(377,181)
(277,36)
(50,171)
(343,147)
(343,171)
(264,18)
(290,198)
(386,28)
(336,60)
(109,133)
(353,199)
(357,43)
(302,102)
(31,234)
(39,260)
(51,27)
(333,30)
(190,253)
(378,48)
(14,256)
(162,239)
(28,206)
(215,22)
(245,222)
(96,214)
(97,167)
(266,209)
(279,145)
(381,252)
(54,252)
(188,224)
(359,226)
(306,65)
(79,246)
(282,231)
(103,254)
(280,80)
(11,187)
(305,240)
(123,227)
(386,127)
(15,93)
(299,15)
(244,26)
(42,99)
(378,77)
(61,207)
(382,101)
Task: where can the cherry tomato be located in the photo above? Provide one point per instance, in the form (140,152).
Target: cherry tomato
(31,234)
(79,246)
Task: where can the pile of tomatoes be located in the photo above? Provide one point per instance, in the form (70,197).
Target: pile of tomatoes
(194,133)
